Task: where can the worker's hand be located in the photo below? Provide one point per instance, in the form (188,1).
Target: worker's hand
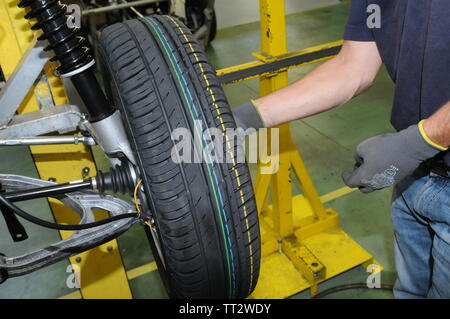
(384,160)
(247,116)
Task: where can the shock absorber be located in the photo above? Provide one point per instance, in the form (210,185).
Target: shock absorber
(72,51)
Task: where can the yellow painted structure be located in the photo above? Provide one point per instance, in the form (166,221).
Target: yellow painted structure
(302,243)
(102,274)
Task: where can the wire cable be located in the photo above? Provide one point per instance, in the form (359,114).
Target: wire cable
(47,224)
(347,287)
(136,202)
(138,209)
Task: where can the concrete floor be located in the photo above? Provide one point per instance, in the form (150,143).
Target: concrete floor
(326,143)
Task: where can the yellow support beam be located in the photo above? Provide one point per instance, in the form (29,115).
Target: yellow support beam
(263,59)
(101,270)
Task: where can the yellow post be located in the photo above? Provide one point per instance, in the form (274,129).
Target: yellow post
(101,271)
(272,45)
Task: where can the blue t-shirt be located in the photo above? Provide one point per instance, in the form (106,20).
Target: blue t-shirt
(414,42)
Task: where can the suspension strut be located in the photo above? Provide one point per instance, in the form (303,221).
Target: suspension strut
(72,51)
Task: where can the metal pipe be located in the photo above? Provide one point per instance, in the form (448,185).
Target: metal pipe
(120,6)
(48,191)
(47,140)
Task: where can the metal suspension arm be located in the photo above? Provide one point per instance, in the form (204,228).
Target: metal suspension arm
(83,203)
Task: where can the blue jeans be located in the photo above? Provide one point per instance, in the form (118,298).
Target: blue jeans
(421,218)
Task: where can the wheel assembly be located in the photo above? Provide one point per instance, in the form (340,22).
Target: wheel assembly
(204,230)
(200,215)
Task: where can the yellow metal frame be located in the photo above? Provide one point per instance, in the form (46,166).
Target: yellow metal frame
(101,271)
(302,243)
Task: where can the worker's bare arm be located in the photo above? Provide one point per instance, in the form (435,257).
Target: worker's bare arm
(331,84)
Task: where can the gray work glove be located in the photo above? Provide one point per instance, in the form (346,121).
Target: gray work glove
(384,160)
(247,116)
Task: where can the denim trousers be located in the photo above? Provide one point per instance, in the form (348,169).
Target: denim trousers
(421,219)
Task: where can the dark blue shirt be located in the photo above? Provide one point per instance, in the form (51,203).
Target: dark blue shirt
(414,43)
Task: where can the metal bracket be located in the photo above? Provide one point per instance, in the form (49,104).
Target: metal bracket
(304,259)
(108,133)
(112,141)
(63,118)
(83,203)
(16,229)
(21,80)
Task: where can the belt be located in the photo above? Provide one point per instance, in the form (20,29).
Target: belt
(438,167)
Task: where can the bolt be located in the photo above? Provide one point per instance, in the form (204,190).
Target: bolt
(280,245)
(78,259)
(85,171)
(109,248)
(52,179)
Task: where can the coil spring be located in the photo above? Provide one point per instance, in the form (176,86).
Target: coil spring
(70,48)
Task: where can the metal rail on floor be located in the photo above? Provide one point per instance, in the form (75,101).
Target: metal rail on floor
(302,243)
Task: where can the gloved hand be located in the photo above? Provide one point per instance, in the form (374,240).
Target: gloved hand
(247,116)
(384,160)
